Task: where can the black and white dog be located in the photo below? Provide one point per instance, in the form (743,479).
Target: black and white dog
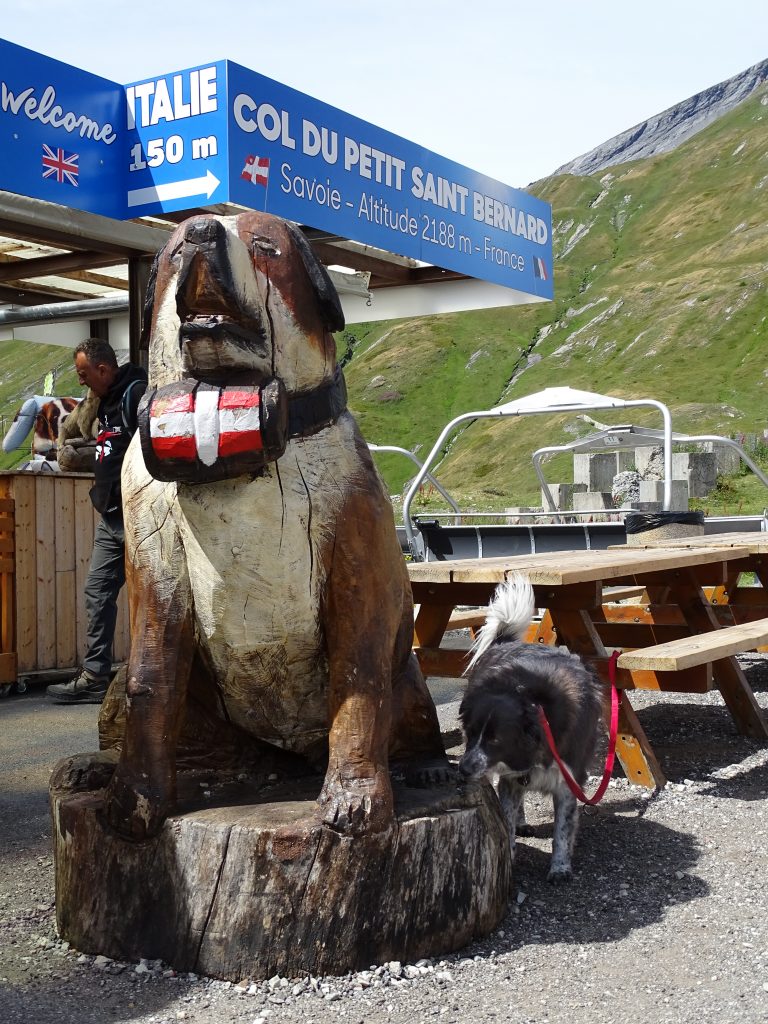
(509,681)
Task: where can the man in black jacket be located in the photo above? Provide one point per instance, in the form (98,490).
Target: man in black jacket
(119,390)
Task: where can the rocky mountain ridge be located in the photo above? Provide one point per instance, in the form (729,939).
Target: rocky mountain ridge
(665,131)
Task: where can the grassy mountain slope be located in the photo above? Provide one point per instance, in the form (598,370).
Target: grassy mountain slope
(660,292)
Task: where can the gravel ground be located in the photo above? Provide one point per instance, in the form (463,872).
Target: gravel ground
(665,919)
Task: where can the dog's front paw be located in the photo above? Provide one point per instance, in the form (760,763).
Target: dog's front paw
(356,806)
(133,809)
(557,876)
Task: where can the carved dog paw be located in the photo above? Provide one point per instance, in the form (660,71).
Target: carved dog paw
(357,806)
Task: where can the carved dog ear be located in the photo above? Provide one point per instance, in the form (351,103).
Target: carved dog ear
(149,302)
(328,297)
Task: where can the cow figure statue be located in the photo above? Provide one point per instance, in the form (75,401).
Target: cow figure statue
(264,568)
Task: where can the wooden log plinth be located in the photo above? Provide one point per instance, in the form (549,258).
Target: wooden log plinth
(255,885)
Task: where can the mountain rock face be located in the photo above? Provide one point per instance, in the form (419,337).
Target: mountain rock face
(664,132)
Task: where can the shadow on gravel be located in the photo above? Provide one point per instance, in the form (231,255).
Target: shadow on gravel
(755,667)
(627,872)
(701,744)
(89,998)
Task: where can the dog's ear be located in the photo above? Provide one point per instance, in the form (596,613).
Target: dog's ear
(328,297)
(529,715)
(149,304)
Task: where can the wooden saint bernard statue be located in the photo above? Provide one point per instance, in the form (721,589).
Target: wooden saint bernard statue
(271,626)
(261,548)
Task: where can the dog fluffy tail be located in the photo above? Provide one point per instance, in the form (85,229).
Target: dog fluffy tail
(508,615)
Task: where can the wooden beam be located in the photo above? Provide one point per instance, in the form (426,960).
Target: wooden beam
(331,255)
(50,224)
(16,268)
(24,296)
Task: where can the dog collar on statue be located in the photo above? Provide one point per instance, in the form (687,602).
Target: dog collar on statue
(198,433)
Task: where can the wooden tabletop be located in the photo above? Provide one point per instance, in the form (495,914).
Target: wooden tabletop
(560,568)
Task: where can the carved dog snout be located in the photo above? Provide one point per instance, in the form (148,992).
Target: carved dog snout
(221,311)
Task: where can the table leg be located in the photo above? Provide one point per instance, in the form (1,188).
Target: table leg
(429,625)
(729,677)
(577,632)
(428,631)
(542,632)
(634,750)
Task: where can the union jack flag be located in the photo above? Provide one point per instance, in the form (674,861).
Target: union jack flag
(256,170)
(60,165)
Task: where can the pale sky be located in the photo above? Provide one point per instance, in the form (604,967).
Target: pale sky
(510,89)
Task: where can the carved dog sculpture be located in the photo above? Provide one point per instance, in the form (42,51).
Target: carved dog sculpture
(262,556)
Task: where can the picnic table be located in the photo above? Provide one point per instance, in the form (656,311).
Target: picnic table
(687,602)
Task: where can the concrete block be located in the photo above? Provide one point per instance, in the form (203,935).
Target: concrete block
(727,459)
(653,490)
(589,501)
(562,495)
(514,517)
(596,471)
(625,461)
(698,468)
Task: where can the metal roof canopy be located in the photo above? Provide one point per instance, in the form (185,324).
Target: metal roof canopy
(631,436)
(550,400)
(62,247)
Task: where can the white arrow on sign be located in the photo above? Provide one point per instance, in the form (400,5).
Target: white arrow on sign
(174,190)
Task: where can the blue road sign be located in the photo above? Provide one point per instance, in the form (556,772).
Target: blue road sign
(61,132)
(220,133)
(292,155)
(177,141)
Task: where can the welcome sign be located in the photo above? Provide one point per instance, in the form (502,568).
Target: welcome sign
(220,133)
(62,133)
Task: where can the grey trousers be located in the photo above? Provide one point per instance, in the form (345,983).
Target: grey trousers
(105,578)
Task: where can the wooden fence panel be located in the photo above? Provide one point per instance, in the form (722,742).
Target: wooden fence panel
(8,659)
(45,539)
(53,538)
(64,525)
(23,491)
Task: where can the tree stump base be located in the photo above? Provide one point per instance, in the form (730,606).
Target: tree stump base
(256,886)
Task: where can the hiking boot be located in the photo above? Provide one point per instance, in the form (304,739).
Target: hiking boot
(82,689)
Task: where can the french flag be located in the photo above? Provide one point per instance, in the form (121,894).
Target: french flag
(256,170)
(540,269)
(205,425)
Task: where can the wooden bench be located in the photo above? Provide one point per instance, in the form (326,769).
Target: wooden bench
(613,595)
(700,649)
(472,618)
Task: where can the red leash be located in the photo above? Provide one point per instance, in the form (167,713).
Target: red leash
(572,784)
